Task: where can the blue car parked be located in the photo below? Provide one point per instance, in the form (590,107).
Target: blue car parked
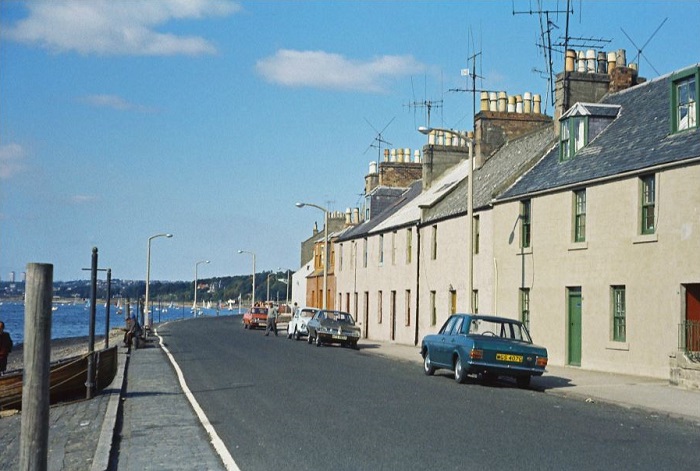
(485,345)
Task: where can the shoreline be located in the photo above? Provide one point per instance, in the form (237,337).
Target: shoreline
(64,348)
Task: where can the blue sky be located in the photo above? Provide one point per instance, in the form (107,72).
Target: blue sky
(209,119)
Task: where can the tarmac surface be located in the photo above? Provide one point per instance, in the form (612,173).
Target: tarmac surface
(145,420)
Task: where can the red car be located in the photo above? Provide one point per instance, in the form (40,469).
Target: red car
(255,317)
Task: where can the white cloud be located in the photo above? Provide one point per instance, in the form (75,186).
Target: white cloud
(108,27)
(333,71)
(11,160)
(114,102)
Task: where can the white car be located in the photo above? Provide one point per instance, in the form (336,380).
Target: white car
(297,325)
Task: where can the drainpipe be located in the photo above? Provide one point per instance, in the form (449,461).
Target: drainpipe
(416,339)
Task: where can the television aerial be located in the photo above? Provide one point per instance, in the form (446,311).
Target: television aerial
(641,49)
(378,139)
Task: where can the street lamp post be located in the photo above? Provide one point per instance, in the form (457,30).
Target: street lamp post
(194,306)
(289,274)
(268,286)
(286,282)
(147,312)
(252,298)
(470,205)
(325,247)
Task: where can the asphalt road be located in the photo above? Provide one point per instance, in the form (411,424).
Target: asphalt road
(284,404)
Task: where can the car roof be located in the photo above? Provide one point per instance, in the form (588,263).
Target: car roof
(335,310)
(488,318)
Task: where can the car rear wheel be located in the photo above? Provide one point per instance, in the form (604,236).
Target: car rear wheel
(460,373)
(245,326)
(289,334)
(428,367)
(309,339)
(297,335)
(522,381)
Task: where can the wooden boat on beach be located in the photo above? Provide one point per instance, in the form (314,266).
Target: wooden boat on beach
(67,379)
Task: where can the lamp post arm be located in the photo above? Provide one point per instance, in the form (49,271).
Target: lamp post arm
(325,249)
(147,314)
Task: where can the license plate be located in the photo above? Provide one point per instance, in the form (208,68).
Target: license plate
(508,357)
(340,337)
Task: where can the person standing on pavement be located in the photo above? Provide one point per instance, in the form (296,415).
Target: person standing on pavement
(5,347)
(271,320)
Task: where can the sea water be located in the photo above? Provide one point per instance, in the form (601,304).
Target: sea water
(73,320)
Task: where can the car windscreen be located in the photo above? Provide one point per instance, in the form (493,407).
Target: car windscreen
(307,314)
(501,329)
(259,310)
(342,317)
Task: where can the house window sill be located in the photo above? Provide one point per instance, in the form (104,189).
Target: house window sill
(622,346)
(645,238)
(578,246)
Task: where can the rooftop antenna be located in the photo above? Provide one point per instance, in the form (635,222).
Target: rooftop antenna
(546,36)
(379,139)
(640,49)
(427,104)
(329,203)
(467,73)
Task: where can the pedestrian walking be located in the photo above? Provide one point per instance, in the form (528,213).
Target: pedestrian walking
(271,320)
(5,347)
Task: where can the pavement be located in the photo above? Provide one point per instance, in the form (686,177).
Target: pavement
(145,419)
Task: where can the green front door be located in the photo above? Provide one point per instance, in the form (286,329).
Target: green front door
(574,326)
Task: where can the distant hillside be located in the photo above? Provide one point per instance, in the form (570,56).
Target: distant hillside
(209,289)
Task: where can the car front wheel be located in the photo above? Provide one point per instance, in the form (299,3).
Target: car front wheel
(318,340)
(428,367)
(309,339)
(297,336)
(460,373)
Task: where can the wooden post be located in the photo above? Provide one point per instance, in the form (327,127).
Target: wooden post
(34,435)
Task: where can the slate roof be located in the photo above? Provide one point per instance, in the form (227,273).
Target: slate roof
(320,236)
(592,109)
(382,197)
(639,138)
(411,213)
(498,172)
(362,230)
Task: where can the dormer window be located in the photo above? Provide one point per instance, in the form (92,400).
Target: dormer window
(684,101)
(581,124)
(574,136)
